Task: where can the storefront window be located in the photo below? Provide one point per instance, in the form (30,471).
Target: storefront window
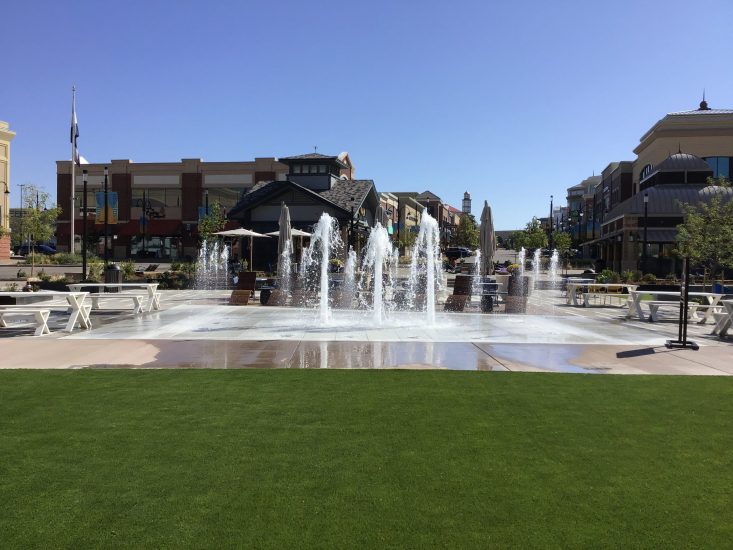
(227,197)
(155,247)
(156,203)
(720,166)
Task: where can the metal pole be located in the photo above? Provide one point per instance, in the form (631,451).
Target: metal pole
(682,341)
(73,167)
(145,222)
(551,224)
(646,225)
(106,219)
(84,229)
(22,212)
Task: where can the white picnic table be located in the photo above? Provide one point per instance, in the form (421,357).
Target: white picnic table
(600,289)
(153,302)
(635,297)
(75,300)
(724,319)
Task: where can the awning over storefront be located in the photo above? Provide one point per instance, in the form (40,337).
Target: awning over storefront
(660,235)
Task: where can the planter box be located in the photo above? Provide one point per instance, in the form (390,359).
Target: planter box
(515,304)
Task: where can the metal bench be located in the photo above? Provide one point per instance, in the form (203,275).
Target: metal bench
(39,314)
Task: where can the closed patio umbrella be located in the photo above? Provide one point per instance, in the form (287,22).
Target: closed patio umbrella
(285,242)
(486,238)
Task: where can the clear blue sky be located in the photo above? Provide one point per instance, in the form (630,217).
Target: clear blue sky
(512,101)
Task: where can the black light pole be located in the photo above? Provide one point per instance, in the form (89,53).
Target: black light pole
(351,226)
(106,219)
(551,224)
(646,223)
(22,212)
(84,228)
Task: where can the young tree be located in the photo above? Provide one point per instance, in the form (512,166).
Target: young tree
(211,223)
(39,218)
(468,233)
(562,241)
(534,235)
(706,236)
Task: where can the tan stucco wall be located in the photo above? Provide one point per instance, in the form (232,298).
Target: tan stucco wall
(6,136)
(699,135)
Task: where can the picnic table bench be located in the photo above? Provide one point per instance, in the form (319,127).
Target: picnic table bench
(153,295)
(636,301)
(723,319)
(597,290)
(40,315)
(75,306)
(137,300)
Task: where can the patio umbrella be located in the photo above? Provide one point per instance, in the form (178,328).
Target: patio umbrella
(293,233)
(487,241)
(242,232)
(285,239)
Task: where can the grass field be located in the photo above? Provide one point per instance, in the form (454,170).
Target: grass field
(363,459)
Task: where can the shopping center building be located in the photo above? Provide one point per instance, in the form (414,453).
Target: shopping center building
(675,157)
(159,204)
(6,136)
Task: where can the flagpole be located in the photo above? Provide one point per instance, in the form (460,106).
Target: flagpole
(73,165)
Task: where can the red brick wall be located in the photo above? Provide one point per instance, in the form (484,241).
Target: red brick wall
(191,185)
(63,196)
(265,176)
(122,185)
(5,247)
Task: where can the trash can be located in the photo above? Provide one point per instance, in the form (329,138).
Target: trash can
(112,274)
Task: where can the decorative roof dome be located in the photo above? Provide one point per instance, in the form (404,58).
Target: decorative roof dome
(680,162)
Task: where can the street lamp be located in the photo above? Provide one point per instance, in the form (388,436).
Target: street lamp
(551,224)
(106,218)
(646,224)
(351,226)
(7,192)
(84,227)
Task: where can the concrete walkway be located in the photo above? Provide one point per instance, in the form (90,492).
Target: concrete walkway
(197,330)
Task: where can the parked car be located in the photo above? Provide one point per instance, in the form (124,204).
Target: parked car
(455,252)
(24,250)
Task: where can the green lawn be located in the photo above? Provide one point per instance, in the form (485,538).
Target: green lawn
(344,459)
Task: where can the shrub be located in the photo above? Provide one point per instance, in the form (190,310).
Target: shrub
(66,258)
(12,287)
(128,269)
(649,278)
(94,271)
(21,274)
(630,276)
(672,277)
(608,276)
(36,259)
(45,277)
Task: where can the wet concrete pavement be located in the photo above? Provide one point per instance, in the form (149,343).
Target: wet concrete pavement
(197,330)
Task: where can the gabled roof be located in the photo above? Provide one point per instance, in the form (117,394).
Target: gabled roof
(339,196)
(310,156)
(314,156)
(427,195)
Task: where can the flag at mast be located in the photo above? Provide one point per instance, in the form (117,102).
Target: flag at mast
(74,162)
